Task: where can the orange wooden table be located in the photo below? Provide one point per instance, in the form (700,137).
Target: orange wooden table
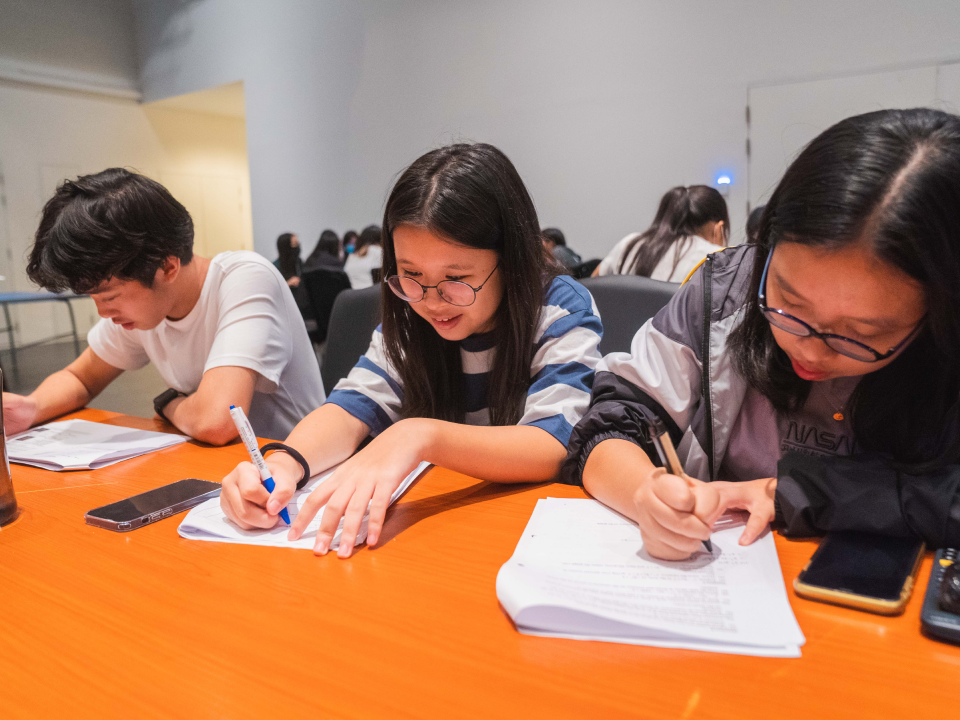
(149,625)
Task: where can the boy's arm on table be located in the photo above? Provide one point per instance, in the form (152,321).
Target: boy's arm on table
(63,391)
(205,415)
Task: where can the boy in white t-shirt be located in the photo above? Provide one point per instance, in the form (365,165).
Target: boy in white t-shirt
(222,331)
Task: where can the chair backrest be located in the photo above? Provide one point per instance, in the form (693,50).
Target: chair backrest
(356,314)
(322,287)
(625,303)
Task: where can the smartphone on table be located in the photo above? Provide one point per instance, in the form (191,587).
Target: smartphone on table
(940,615)
(153,505)
(875,573)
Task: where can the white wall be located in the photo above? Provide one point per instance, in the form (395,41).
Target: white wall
(48,135)
(300,63)
(79,41)
(602,105)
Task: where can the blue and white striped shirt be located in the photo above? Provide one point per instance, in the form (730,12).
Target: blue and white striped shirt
(566,352)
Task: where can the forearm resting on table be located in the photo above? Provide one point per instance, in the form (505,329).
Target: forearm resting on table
(325,437)
(60,393)
(613,474)
(509,453)
(73,387)
(205,415)
(330,435)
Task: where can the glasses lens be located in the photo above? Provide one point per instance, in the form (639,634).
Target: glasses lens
(406,288)
(786,323)
(851,349)
(456,293)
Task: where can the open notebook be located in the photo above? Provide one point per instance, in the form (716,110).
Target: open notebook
(207,521)
(84,445)
(580,571)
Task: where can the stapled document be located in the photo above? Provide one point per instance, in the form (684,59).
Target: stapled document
(84,445)
(580,571)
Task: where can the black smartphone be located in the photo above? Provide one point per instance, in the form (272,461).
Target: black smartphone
(153,505)
(868,572)
(936,618)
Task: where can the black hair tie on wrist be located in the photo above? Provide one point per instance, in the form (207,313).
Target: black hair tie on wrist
(295,455)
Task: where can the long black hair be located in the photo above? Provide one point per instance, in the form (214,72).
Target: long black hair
(682,212)
(327,251)
(288,256)
(473,195)
(889,179)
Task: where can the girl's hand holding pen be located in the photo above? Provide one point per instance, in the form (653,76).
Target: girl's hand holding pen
(675,514)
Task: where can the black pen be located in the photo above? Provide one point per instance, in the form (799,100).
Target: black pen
(670,459)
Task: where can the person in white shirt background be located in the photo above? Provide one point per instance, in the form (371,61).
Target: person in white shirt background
(221,331)
(691,222)
(366,257)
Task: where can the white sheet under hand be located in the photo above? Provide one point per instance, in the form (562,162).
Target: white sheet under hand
(580,571)
(207,521)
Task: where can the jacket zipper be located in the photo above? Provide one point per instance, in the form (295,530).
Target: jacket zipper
(705,355)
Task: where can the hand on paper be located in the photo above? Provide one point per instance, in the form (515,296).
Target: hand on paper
(754,496)
(369,477)
(246,501)
(19,413)
(675,514)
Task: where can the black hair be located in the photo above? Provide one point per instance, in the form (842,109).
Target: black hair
(890,180)
(753,223)
(350,236)
(288,256)
(113,224)
(473,195)
(328,244)
(682,212)
(371,235)
(555,236)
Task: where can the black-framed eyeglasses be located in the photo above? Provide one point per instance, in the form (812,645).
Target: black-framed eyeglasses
(455,292)
(848,347)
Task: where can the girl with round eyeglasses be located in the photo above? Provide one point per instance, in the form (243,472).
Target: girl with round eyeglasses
(813,378)
(483,362)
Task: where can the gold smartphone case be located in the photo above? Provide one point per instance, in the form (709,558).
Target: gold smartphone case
(861,602)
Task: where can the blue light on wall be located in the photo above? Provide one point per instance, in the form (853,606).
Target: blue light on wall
(723,183)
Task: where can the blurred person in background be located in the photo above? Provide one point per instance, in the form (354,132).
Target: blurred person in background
(690,223)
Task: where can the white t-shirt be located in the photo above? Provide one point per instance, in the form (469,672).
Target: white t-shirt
(358,268)
(246,317)
(697,249)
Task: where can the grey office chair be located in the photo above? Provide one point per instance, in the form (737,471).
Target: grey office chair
(625,303)
(355,315)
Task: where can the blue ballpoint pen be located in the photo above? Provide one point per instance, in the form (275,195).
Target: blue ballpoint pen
(250,442)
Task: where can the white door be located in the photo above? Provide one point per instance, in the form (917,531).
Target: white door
(784,118)
(6,252)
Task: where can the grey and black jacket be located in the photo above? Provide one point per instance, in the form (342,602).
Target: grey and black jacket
(678,370)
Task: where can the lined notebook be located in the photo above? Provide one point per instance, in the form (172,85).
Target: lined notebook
(84,445)
(207,521)
(580,571)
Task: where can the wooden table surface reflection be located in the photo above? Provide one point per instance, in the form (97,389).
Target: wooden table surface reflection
(146,624)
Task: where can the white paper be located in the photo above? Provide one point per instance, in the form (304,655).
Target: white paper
(580,571)
(84,445)
(207,521)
